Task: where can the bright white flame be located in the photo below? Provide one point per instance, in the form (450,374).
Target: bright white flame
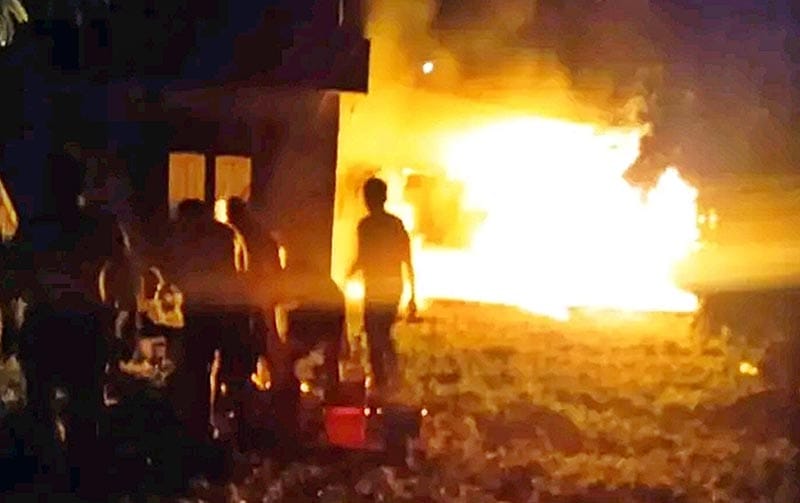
(748,368)
(562,227)
(221,211)
(282,256)
(354,289)
(427,67)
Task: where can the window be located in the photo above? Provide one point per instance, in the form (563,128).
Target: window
(233,177)
(187,178)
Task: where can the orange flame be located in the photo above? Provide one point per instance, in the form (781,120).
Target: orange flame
(561,227)
(520,209)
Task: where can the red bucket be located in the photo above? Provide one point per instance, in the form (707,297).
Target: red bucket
(346,426)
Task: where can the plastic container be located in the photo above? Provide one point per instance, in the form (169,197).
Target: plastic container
(346,426)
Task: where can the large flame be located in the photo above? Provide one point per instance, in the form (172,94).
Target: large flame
(560,227)
(509,180)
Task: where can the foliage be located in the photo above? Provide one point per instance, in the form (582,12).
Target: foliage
(11,12)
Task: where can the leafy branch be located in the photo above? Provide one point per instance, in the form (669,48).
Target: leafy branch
(11,12)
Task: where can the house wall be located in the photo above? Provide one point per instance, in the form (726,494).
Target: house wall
(105,93)
(293,144)
(291,136)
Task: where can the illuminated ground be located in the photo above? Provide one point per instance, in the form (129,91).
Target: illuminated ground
(619,410)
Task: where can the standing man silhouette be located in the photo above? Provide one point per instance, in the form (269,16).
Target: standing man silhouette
(383,247)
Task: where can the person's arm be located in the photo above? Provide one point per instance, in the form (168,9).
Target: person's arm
(213,381)
(410,270)
(242,254)
(272,259)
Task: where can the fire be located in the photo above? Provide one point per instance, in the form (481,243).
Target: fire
(559,226)
(748,368)
(221,211)
(509,178)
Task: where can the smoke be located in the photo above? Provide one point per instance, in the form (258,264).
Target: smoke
(714,82)
(519,54)
(724,106)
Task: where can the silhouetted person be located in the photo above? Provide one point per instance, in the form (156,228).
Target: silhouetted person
(259,410)
(383,247)
(263,268)
(317,315)
(202,253)
(201,260)
(65,336)
(108,192)
(263,260)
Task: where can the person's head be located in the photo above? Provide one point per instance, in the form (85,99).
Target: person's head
(191,210)
(237,209)
(375,194)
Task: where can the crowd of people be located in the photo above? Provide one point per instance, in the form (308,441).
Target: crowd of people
(81,273)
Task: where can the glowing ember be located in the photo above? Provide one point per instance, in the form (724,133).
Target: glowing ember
(560,227)
(354,290)
(282,256)
(748,368)
(221,210)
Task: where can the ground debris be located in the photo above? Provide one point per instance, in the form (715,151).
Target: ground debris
(570,415)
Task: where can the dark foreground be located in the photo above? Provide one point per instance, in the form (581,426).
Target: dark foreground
(522,409)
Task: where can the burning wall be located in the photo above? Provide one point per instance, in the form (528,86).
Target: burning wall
(511,186)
